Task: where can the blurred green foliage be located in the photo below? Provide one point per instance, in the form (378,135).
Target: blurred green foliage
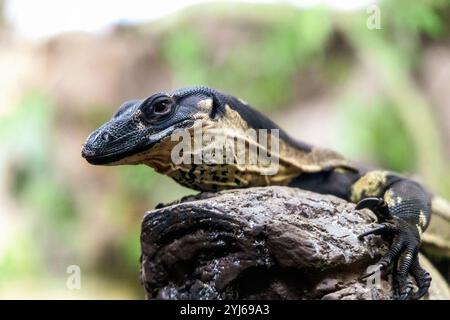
(25,135)
(29,133)
(260,70)
(395,52)
(380,135)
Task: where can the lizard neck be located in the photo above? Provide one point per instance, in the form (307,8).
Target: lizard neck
(226,153)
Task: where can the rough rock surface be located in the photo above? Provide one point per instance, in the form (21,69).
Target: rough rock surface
(263,243)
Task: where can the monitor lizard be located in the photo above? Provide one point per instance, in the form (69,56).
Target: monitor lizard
(141,132)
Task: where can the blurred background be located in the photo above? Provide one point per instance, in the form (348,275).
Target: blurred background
(321,69)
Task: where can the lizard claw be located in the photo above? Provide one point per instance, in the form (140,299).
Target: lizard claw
(370,203)
(423,279)
(376,231)
(403,252)
(377,206)
(377,268)
(404,288)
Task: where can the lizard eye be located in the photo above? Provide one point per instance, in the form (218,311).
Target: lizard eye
(159,107)
(162,107)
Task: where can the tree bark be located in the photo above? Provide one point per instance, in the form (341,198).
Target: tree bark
(264,243)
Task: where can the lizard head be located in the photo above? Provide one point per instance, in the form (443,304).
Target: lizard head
(147,132)
(139,125)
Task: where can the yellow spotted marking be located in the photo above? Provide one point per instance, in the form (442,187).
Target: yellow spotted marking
(389,198)
(422,219)
(369,185)
(233,119)
(340,170)
(205,104)
(419,229)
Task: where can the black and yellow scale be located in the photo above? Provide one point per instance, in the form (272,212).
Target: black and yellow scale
(141,132)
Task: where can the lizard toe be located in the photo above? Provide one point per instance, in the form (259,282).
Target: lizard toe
(422,278)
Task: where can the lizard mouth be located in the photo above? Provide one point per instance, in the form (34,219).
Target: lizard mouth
(103,159)
(144,143)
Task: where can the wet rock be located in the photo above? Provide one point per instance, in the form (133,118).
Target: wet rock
(263,243)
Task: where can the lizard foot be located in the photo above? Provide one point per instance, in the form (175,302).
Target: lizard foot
(403,251)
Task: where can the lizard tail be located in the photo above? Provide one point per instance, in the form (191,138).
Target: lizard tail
(440,207)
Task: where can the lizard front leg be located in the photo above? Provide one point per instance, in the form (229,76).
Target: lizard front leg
(403,207)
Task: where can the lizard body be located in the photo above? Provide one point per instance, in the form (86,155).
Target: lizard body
(142,131)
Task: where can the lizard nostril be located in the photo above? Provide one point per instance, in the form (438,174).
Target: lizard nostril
(105,136)
(86,152)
